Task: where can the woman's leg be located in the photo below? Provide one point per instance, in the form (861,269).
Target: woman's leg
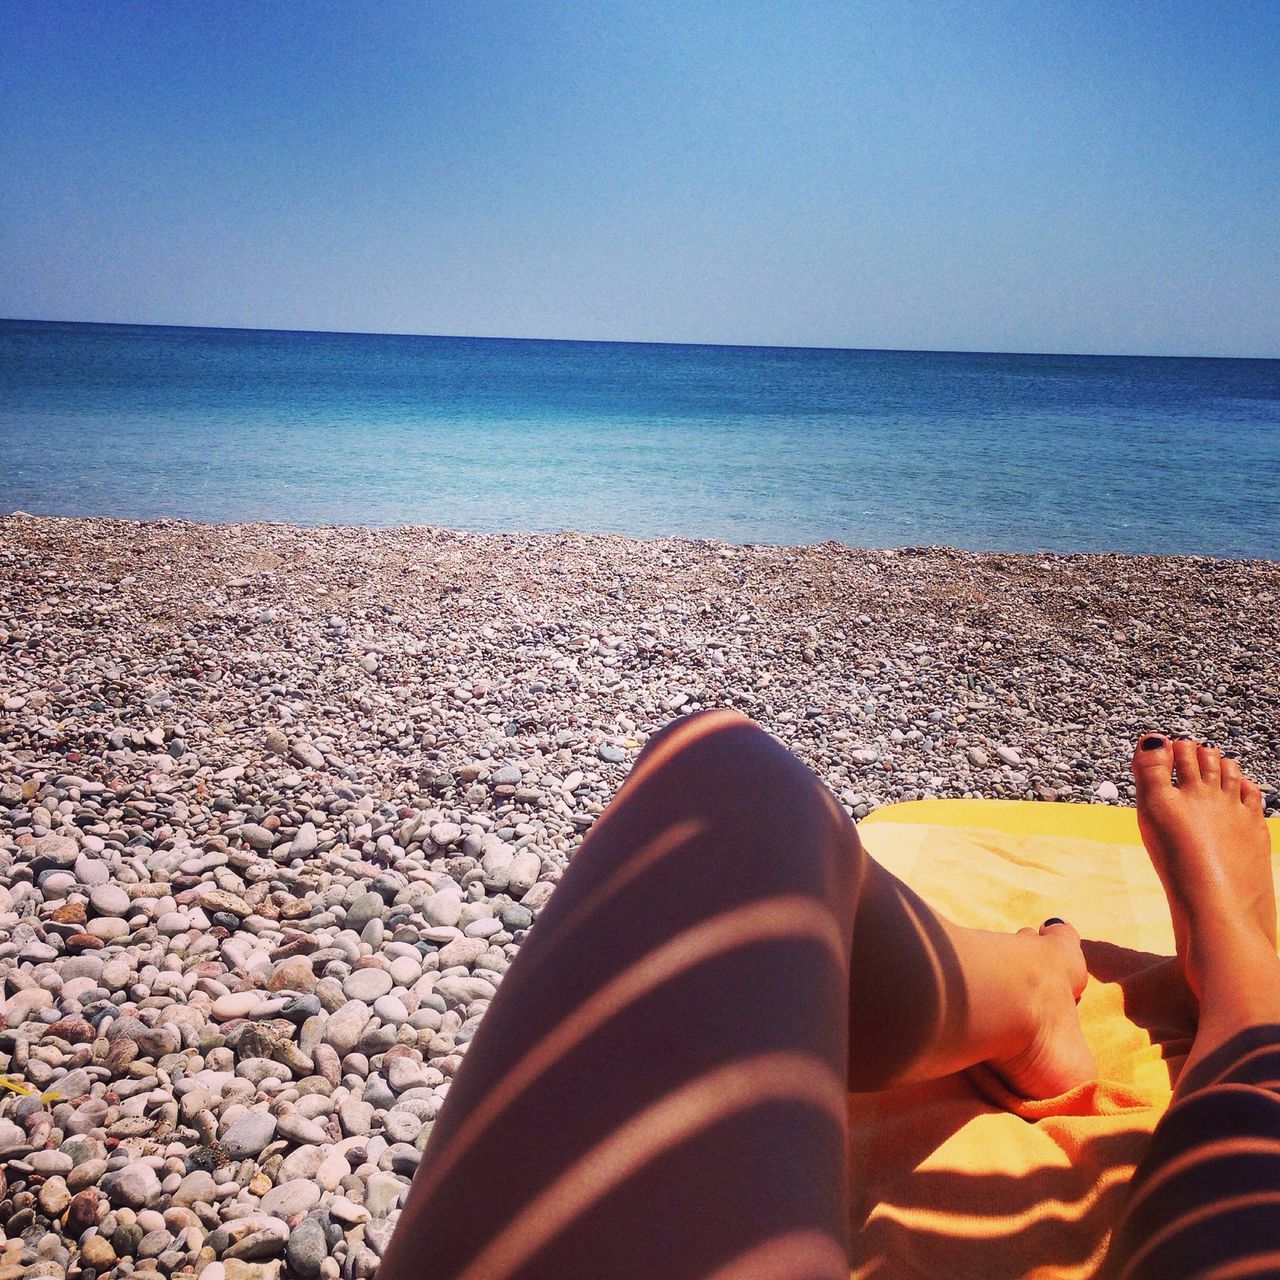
(659,1086)
(1206,1199)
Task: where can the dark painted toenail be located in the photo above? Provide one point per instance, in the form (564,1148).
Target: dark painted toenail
(1151,744)
(1207,743)
(1053,920)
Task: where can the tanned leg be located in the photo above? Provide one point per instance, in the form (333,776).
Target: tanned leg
(1205,1201)
(659,1086)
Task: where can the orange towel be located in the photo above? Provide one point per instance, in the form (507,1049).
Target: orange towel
(959,1178)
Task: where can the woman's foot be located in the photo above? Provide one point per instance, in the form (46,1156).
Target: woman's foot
(1202,823)
(954,997)
(1011,1005)
(1044,1051)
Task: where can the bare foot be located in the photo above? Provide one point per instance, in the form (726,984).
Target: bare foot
(1054,1056)
(1004,999)
(1209,842)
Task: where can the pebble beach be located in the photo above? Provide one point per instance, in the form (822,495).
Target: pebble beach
(279,804)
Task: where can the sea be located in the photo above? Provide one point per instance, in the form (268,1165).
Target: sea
(783,445)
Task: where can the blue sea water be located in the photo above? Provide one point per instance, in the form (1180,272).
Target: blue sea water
(748,444)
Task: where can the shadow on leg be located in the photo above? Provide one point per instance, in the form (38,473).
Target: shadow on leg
(659,1086)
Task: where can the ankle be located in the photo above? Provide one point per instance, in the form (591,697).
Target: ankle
(1232,960)
(1009,990)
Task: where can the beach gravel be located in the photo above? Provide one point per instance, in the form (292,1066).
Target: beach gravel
(278,807)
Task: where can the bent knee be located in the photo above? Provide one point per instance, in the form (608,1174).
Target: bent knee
(723,742)
(723,767)
(684,731)
(711,718)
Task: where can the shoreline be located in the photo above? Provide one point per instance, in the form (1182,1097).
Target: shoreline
(695,540)
(278,805)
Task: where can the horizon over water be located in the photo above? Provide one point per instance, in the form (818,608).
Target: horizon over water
(982,451)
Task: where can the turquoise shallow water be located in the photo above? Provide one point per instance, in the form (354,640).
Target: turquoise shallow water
(749,444)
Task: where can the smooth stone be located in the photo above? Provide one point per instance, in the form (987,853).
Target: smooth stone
(516,916)
(298,1128)
(459,990)
(405,971)
(377,1094)
(440,934)
(538,896)
(86,1175)
(367,984)
(301,1008)
(331,1171)
(404,1073)
(443,908)
(368,906)
(307,754)
(356,1117)
(292,974)
(22,1004)
(523,874)
(257,1235)
(109,900)
(345,1026)
(96,1252)
(53,1197)
(108,928)
(50,1163)
(462,951)
(219,900)
(135,1186)
(307,1247)
(196,1186)
(390,1008)
(344,1210)
(383,1192)
(400,1126)
(257,837)
(290,1198)
(326,1063)
(248,1135)
(236,1005)
(305,1162)
(91,871)
(305,841)
(55,851)
(82,1212)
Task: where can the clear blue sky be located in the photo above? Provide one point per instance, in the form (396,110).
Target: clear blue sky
(1014,176)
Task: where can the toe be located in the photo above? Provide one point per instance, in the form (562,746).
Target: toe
(1185,761)
(1230,777)
(1152,763)
(1057,927)
(1210,759)
(1251,795)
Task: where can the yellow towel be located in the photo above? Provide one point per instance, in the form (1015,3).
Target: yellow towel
(959,1178)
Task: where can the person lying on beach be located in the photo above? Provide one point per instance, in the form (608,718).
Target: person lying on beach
(659,1087)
